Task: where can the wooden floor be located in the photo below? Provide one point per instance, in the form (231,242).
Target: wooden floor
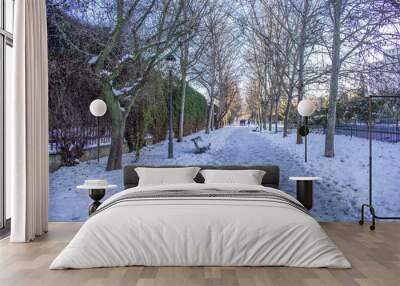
(375,257)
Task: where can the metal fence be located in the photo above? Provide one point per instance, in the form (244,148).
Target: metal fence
(86,136)
(386,133)
(380,132)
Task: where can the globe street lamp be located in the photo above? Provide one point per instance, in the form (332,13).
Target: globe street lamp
(305,108)
(98,108)
(170,59)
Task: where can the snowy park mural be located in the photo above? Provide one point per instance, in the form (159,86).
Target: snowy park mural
(344,184)
(226,79)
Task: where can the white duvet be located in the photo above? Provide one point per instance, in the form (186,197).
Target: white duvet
(200,231)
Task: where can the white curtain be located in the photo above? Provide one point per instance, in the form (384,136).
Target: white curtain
(27,133)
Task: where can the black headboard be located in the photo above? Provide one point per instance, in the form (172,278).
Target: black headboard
(271,177)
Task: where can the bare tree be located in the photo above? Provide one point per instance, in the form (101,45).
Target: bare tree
(355,25)
(140,35)
(191,48)
(217,55)
(273,30)
(229,99)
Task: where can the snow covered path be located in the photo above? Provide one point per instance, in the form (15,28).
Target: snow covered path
(333,199)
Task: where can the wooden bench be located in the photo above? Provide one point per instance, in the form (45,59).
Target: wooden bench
(200,149)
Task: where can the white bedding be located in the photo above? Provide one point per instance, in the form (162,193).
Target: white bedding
(200,231)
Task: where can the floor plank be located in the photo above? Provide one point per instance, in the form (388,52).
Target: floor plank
(375,257)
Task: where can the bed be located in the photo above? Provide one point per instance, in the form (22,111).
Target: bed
(201,224)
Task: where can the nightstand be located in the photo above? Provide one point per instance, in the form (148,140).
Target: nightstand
(304,190)
(97,190)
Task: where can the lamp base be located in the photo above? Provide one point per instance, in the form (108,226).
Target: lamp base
(303,130)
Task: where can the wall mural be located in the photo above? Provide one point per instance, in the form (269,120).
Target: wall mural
(227,80)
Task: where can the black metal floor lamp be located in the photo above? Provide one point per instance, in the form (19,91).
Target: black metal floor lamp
(305,108)
(370,203)
(98,108)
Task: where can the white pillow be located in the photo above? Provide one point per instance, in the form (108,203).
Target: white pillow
(166,176)
(248,177)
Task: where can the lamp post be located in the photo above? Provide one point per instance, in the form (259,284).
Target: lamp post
(170,62)
(305,108)
(98,108)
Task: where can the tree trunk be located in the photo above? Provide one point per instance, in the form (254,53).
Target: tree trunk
(285,119)
(257,116)
(278,96)
(276,114)
(334,82)
(184,67)
(287,108)
(118,122)
(264,117)
(139,138)
(115,157)
(129,141)
(182,111)
(138,146)
(271,109)
(299,138)
(302,47)
(210,115)
(213,118)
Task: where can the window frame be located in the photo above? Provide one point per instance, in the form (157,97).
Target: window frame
(6,39)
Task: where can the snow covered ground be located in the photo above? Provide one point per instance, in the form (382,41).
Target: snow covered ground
(347,172)
(337,195)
